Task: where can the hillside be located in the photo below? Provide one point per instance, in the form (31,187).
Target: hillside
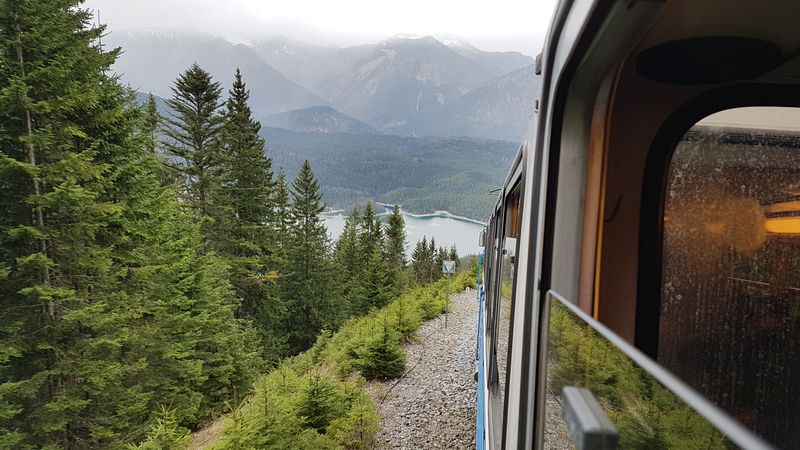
(422,174)
(500,109)
(322,119)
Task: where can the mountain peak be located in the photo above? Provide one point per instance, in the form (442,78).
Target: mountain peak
(454,41)
(411,40)
(412,36)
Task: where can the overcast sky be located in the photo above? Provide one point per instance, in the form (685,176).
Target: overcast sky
(489,24)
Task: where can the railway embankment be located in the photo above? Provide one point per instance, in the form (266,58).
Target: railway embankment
(433,404)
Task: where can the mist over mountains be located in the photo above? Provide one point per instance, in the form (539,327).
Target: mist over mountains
(429,122)
(405,85)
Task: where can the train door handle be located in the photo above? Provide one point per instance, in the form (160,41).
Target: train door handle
(588,424)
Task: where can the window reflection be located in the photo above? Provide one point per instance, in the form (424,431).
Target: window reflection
(645,413)
(730,299)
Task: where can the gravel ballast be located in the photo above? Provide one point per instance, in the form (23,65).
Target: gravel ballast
(433,406)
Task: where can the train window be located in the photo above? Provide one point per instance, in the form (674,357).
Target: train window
(638,399)
(729,321)
(504,300)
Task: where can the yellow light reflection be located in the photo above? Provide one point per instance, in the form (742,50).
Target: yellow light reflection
(790,206)
(783,225)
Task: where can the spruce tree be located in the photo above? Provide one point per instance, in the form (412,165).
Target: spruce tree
(396,240)
(192,137)
(384,357)
(243,231)
(453,255)
(152,119)
(431,262)
(107,308)
(420,260)
(441,257)
(377,290)
(371,235)
(56,230)
(283,219)
(150,129)
(395,251)
(349,264)
(308,269)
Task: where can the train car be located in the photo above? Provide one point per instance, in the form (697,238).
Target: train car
(641,268)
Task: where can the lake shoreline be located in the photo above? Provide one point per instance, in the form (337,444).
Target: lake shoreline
(441,214)
(447,230)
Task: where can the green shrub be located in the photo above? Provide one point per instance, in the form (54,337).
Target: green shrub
(357,429)
(383,357)
(321,402)
(165,434)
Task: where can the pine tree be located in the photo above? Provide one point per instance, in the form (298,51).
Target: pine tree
(396,240)
(453,255)
(377,290)
(192,131)
(395,248)
(348,262)
(420,262)
(283,220)
(108,309)
(431,262)
(441,257)
(308,269)
(152,119)
(371,235)
(56,226)
(243,231)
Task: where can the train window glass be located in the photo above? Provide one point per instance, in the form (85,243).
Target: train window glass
(730,295)
(504,300)
(645,413)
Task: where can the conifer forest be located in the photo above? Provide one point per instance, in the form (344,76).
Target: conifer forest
(158,273)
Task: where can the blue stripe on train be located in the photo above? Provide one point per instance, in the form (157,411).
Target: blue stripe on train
(480,434)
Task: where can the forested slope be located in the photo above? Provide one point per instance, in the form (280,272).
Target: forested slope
(317,399)
(421,174)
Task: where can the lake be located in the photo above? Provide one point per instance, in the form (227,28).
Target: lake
(445,230)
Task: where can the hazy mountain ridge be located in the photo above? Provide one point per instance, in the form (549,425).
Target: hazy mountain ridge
(306,64)
(404,82)
(405,85)
(153,59)
(318,119)
(499,109)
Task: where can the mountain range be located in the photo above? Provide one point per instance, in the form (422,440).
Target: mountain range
(405,85)
(429,122)
(153,59)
